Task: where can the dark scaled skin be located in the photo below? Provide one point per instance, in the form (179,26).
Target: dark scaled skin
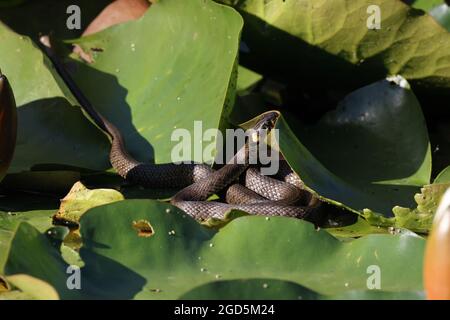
(278,195)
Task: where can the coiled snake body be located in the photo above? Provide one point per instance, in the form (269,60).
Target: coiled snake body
(261,195)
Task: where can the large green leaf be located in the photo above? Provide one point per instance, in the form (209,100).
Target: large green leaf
(371,152)
(154,82)
(182,255)
(146,80)
(328,44)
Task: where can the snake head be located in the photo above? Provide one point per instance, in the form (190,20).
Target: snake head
(264,124)
(267,121)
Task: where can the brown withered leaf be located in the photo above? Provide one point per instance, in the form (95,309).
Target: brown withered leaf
(79,200)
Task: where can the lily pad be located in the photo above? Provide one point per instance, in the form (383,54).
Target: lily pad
(316,43)
(372,152)
(173,69)
(182,255)
(147,99)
